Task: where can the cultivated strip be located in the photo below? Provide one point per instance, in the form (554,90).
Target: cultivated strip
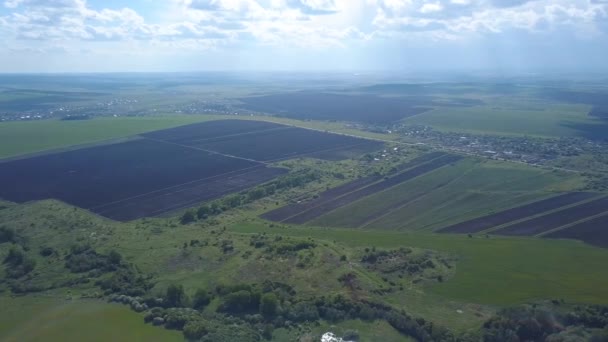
(486,222)
(372,189)
(283,213)
(593,232)
(555,219)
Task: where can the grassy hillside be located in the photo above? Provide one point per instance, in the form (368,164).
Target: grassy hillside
(497,271)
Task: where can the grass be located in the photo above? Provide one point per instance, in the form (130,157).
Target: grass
(451,194)
(547,121)
(493,271)
(22,137)
(48,319)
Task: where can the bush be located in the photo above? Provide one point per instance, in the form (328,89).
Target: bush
(269,305)
(188,217)
(47,251)
(7,235)
(351,335)
(201,299)
(175,297)
(18,264)
(195,330)
(242,301)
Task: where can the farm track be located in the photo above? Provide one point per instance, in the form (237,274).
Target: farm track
(556,219)
(510,215)
(288,211)
(593,232)
(325,208)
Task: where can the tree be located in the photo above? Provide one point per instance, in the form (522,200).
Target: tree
(195,330)
(201,299)
(175,296)
(114,258)
(188,217)
(203,212)
(269,305)
(7,235)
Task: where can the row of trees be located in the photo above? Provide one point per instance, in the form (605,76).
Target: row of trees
(236,200)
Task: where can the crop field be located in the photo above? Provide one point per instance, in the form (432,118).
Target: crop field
(22,137)
(517,213)
(272,141)
(593,232)
(327,106)
(556,219)
(445,196)
(165,170)
(284,213)
(550,120)
(351,192)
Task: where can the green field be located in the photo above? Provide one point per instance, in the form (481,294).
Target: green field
(496,271)
(48,319)
(21,137)
(451,194)
(546,121)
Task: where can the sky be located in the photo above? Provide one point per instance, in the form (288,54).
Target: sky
(303,35)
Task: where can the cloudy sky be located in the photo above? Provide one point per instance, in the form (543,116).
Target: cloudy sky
(343,35)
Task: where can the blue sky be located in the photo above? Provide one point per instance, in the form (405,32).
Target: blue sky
(302,35)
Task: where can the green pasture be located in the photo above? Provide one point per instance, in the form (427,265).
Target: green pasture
(38,318)
(547,121)
(21,137)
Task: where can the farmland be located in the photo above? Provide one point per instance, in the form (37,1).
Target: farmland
(327,106)
(335,199)
(514,214)
(593,232)
(428,200)
(245,226)
(556,219)
(18,138)
(158,172)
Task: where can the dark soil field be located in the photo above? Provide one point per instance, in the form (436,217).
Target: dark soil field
(593,232)
(211,129)
(351,197)
(284,143)
(170,169)
(556,219)
(283,213)
(272,141)
(517,213)
(165,201)
(326,106)
(95,177)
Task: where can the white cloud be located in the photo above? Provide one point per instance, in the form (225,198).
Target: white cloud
(235,25)
(431,7)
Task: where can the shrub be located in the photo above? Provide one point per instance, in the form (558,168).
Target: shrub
(351,335)
(201,299)
(269,305)
(47,251)
(195,330)
(175,297)
(7,235)
(188,217)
